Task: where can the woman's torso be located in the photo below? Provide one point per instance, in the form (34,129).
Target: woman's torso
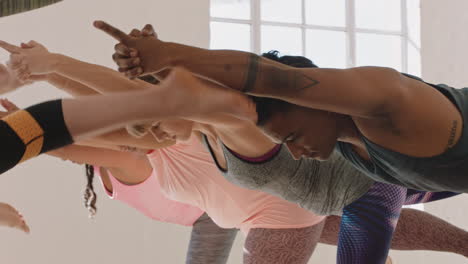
(187,173)
(147,198)
(324,188)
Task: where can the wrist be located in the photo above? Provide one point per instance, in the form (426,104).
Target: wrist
(56,61)
(173,54)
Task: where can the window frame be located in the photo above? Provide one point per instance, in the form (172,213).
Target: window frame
(349,29)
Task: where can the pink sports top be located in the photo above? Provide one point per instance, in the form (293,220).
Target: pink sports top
(187,173)
(147,198)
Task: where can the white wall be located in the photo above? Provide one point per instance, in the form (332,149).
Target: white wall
(445,60)
(49,191)
(444,41)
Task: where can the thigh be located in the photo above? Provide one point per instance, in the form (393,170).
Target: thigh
(281,246)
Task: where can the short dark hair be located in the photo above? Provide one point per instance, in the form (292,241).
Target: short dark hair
(293,61)
(266,107)
(149,79)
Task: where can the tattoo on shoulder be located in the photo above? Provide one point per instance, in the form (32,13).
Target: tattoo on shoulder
(453,133)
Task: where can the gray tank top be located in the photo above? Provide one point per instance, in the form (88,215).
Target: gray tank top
(445,172)
(323,188)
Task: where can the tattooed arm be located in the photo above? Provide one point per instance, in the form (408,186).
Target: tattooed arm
(358,91)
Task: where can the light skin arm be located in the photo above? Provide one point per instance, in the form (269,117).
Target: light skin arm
(89,79)
(133,168)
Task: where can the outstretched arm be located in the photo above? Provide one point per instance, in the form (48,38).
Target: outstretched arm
(107,158)
(54,124)
(357,91)
(78,79)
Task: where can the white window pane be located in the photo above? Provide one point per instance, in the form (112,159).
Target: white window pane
(230,36)
(414,60)
(287,40)
(378,50)
(326,48)
(239,9)
(378,14)
(414,21)
(326,13)
(282,11)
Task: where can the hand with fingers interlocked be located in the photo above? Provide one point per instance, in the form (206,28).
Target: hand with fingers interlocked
(138,53)
(10,81)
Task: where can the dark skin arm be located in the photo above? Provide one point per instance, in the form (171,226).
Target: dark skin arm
(247,72)
(387,107)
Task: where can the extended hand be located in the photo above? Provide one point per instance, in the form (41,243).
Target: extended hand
(137,53)
(10,217)
(8,106)
(30,58)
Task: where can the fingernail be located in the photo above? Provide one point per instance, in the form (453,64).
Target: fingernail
(133,53)
(136,61)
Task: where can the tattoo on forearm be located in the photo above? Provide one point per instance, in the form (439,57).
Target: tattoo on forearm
(303,82)
(251,73)
(288,80)
(274,78)
(453,132)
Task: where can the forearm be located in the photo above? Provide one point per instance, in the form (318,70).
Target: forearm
(54,124)
(68,85)
(310,87)
(101,79)
(119,137)
(228,67)
(94,115)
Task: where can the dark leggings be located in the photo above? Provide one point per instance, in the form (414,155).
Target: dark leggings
(367,225)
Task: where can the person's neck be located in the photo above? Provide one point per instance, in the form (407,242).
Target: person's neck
(348,131)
